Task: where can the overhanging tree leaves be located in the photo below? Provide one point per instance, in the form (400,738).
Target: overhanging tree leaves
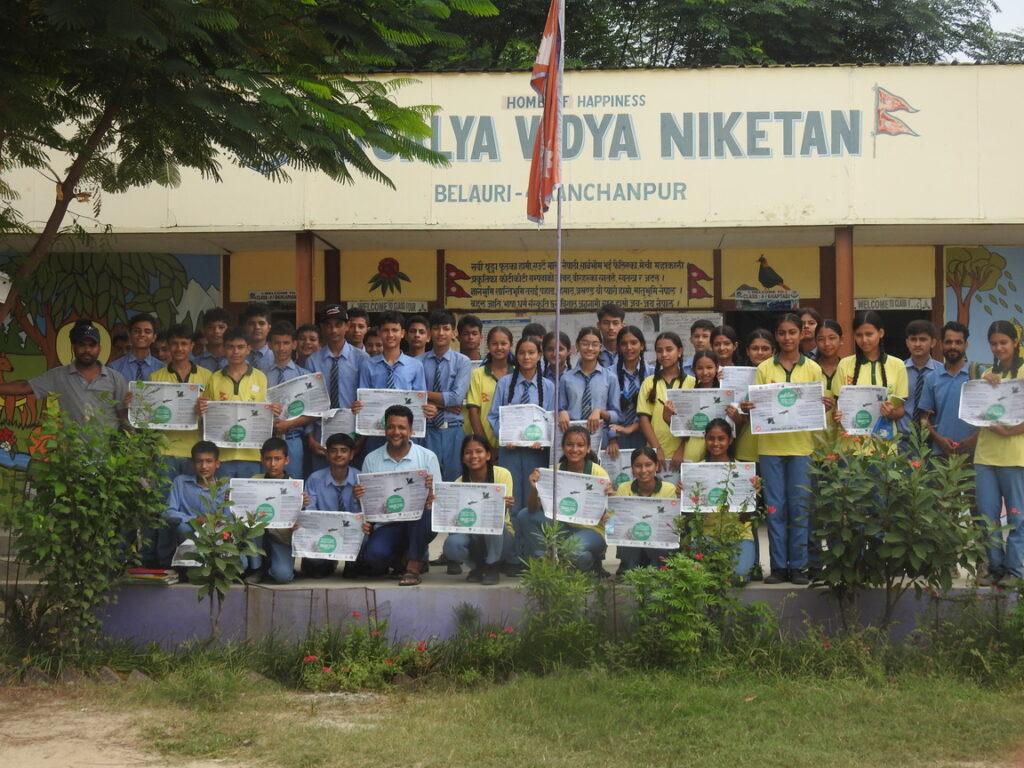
(123,93)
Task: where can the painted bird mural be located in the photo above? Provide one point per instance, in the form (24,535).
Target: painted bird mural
(768,277)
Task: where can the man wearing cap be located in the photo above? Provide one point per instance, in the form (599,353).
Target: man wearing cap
(340,363)
(85,388)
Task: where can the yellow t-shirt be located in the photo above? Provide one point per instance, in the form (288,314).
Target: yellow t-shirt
(694,450)
(870,375)
(655,412)
(995,450)
(805,371)
(501,475)
(596,470)
(180,442)
(667,490)
(710,524)
(251,388)
(481,393)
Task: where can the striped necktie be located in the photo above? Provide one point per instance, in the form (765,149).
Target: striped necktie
(629,397)
(524,397)
(586,403)
(341,499)
(918,391)
(280,375)
(334,383)
(438,420)
(138,370)
(391,375)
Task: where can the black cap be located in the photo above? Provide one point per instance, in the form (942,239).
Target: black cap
(82,330)
(335,311)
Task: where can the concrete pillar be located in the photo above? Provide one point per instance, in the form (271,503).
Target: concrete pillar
(844,285)
(305,298)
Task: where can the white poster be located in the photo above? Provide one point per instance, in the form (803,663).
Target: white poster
(787,407)
(582,499)
(370,420)
(861,408)
(638,521)
(275,502)
(709,484)
(469,508)
(164,405)
(391,497)
(620,470)
(738,378)
(524,425)
(696,408)
(982,405)
(230,424)
(335,421)
(301,396)
(328,535)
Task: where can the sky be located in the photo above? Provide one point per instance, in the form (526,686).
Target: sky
(1010,17)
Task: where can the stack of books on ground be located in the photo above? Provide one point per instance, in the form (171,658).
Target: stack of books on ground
(151,576)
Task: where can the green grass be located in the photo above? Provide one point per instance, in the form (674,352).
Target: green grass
(595,720)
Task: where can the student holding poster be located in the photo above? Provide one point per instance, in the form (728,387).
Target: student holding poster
(705,370)
(645,483)
(576,457)
(483,554)
(524,386)
(333,489)
(482,383)
(999,464)
(871,366)
(784,461)
(630,370)
(589,392)
(668,349)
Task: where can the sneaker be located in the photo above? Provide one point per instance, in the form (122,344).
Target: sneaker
(777,577)
(799,578)
(476,575)
(491,575)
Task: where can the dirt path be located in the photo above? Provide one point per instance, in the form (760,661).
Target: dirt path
(62,728)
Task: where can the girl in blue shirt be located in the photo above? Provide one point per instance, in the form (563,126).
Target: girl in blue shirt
(588,392)
(630,371)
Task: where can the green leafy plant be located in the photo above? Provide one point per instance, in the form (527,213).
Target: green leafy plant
(221,541)
(75,525)
(478,651)
(890,520)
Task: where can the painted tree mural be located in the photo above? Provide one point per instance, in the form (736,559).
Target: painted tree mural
(975,274)
(106,287)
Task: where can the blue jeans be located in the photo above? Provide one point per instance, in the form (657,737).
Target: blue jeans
(498,548)
(391,545)
(296,459)
(282,565)
(520,463)
(447,445)
(785,480)
(590,544)
(996,485)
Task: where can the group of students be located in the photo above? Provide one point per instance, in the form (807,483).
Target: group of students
(609,387)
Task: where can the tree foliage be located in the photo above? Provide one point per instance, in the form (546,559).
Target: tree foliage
(697,33)
(123,93)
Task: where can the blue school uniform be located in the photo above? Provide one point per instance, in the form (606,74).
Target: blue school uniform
(405,373)
(941,398)
(295,438)
(449,375)
(917,380)
(600,387)
(629,391)
(521,462)
(134,369)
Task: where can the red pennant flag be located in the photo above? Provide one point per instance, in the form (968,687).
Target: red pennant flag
(451,286)
(890,102)
(694,289)
(546,79)
(893,126)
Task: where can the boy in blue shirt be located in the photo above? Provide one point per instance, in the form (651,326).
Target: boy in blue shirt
(447,374)
(190,496)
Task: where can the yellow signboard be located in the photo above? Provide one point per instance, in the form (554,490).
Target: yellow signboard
(771,269)
(523,281)
(394,277)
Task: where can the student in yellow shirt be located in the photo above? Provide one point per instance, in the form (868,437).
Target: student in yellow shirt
(645,482)
(999,466)
(239,382)
(482,383)
(650,404)
(871,366)
(785,459)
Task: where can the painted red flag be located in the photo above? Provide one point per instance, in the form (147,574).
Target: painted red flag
(546,79)
(451,286)
(893,126)
(890,102)
(694,289)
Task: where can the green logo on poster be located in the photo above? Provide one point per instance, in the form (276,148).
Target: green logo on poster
(621,478)
(995,411)
(716,496)
(161,414)
(326,543)
(395,503)
(296,408)
(568,507)
(699,421)
(787,397)
(236,434)
(532,432)
(642,531)
(265,512)
(862,420)
(467,517)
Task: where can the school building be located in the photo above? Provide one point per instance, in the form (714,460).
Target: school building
(733,192)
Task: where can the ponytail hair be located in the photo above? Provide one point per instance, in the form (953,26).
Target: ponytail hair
(620,368)
(652,396)
(1009,329)
(868,317)
(537,375)
(701,354)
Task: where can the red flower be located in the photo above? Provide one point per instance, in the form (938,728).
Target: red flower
(1013,511)
(326,669)
(695,499)
(831,457)
(388,661)
(699,556)
(356,615)
(376,633)
(772,510)
(491,634)
(309,658)
(387,268)
(346,670)
(826,644)
(915,464)
(226,535)
(510,630)
(855,439)
(663,568)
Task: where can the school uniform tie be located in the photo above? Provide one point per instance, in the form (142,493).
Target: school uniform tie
(341,499)
(138,370)
(333,380)
(255,357)
(586,404)
(391,375)
(918,391)
(438,420)
(524,396)
(629,398)
(280,375)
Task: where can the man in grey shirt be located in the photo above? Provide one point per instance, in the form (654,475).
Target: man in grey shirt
(85,387)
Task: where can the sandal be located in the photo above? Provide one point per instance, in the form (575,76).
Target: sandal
(410,579)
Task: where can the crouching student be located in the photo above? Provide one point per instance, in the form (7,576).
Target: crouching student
(277,542)
(483,554)
(332,489)
(191,496)
(645,483)
(589,539)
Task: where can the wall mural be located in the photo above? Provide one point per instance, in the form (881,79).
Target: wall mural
(109,288)
(982,286)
